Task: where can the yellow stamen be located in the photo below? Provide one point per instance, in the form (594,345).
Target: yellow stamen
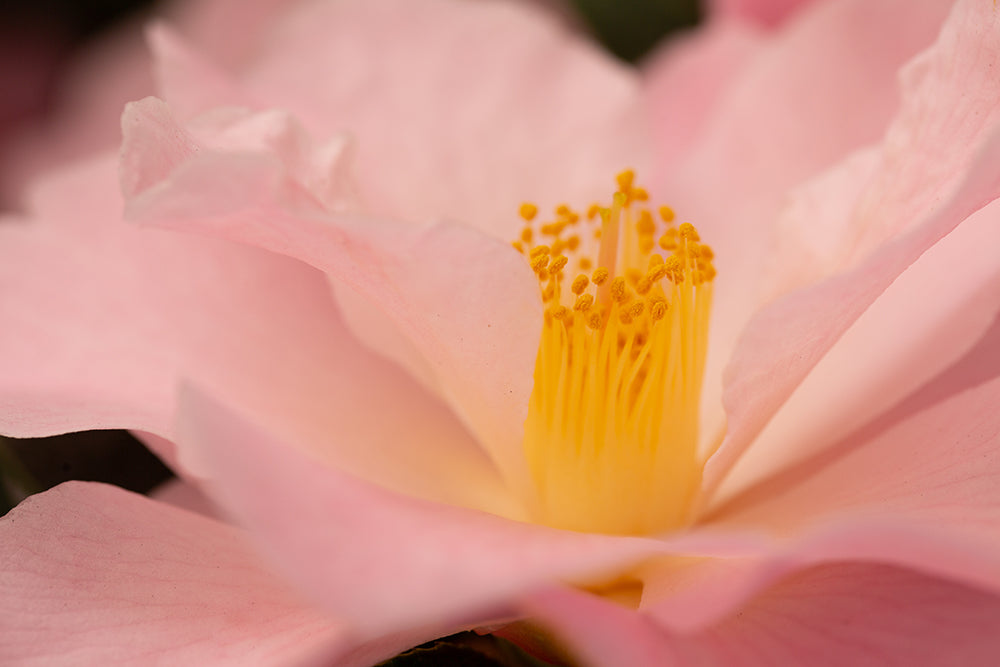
(611,434)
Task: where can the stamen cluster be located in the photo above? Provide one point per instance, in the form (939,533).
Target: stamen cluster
(612,426)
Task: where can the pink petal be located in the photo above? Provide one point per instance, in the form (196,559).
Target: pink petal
(468,303)
(92,574)
(387,561)
(916,329)
(855,614)
(688,76)
(771,13)
(962,131)
(529,110)
(322,528)
(186,496)
(118,69)
(188,78)
(597,632)
(931,461)
(812,95)
(101,319)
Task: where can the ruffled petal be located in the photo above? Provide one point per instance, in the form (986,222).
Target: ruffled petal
(911,203)
(101,318)
(813,94)
(93,574)
(117,69)
(529,111)
(467,302)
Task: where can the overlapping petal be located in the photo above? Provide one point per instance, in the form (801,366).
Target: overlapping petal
(347,473)
(808,97)
(171,587)
(916,205)
(476,326)
(858,614)
(870,369)
(101,318)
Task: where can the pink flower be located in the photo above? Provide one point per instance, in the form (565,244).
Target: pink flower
(313,313)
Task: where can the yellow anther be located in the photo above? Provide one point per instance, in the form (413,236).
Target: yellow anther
(595,320)
(538,250)
(688,232)
(518,247)
(669,241)
(549,292)
(625,179)
(625,317)
(644,285)
(586,263)
(619,291)
(635,310)
(667,214)
(528,211)
(639,194)
(553,228)
(706,252)
(557,246)
(567,215)
(646,244)
(543,275)
(561,312)
(600,275)
(660,271)
(526,234)
(579,284)
(657,309)
(584,302)
(593,211)
(558,263)
(645,224)
(539,262)
(573,242)
(655,260)
(633,276)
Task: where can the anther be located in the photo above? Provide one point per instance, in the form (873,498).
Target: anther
(558,263)
(584,302)
(619,292)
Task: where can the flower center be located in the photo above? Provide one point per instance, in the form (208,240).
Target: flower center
(612,427)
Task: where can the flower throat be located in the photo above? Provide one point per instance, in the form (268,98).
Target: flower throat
(612,428)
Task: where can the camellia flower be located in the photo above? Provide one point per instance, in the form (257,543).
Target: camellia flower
(745,414)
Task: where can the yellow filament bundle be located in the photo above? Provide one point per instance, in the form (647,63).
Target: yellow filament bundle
(611,434)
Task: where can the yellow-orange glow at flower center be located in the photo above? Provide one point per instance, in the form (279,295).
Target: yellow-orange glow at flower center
(612,428)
